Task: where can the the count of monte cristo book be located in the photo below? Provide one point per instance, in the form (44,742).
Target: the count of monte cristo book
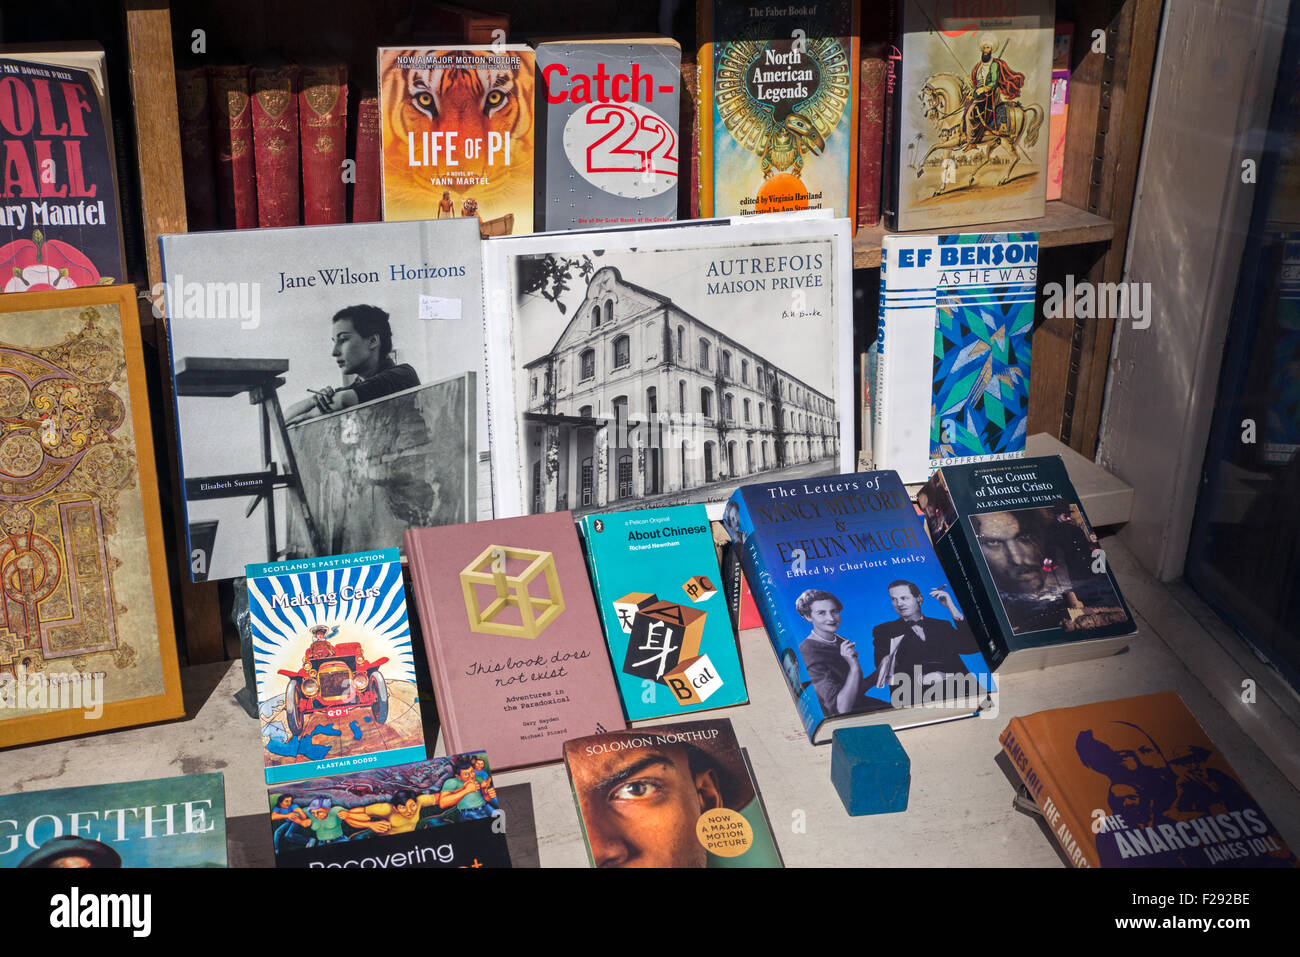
(855,603)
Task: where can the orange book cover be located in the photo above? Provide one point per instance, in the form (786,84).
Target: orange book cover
(1138,783)
(458,134)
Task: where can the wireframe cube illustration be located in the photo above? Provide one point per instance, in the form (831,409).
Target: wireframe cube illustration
(663,634)
(626,607)
(699,588)
(511,573)
(693,680)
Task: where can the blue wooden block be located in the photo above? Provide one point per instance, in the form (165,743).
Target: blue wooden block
(870,770)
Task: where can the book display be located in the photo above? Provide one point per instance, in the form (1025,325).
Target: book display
(590,435)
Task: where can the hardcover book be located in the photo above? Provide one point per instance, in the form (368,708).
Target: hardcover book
(458,135)
(871,130)
(323,126)
(194,110)
(329,386)
(86,640)
(834,559)
(366,190)
(635,368)
(335,670)
(232,140)
(967,139)
(442,812)
(778,107)
(953,350)
(659,591)
(60,226)
(1138,783)
(678,795)
(168,822)
(1015,541)
(275,144)
(513,638)
(609,145)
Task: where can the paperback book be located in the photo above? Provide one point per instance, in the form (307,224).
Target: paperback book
(953,350)
(1017,545)
(659,591)
(441,812)
(678,795)
(334,664)
(1138,783)
(834,559)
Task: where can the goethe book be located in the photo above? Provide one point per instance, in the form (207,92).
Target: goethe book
(1017,545)
(1138,783)
(855,603)
(515,648)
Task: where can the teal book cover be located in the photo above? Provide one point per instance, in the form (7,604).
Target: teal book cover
(168,822)
(665,617)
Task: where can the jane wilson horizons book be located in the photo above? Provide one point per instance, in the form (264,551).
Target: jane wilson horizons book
(86,639)
(664,366)
(458,134)
(659,591)
(678,795)
(835,559)
(953,350)
(335,669)
(329,387)
(514,643)
(168,822)
(967,136)
(442,812)
(1015,542)
(60,226)
(778,107)
(1138,783)
(609,151)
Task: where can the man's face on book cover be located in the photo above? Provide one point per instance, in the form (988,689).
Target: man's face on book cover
(1013,551)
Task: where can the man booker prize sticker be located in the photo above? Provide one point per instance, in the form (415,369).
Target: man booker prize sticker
(724,832)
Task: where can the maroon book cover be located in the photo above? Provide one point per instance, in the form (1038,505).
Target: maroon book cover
(688,126)
(196,148)
(232,141)
(322,122)
(365,193)
(871,131)
(516,651)
(275,142)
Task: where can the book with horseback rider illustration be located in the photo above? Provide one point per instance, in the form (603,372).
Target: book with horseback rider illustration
(966,124)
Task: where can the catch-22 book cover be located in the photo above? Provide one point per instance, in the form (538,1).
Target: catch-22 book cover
(855,603)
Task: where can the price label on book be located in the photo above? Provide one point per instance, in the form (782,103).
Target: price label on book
(622,148)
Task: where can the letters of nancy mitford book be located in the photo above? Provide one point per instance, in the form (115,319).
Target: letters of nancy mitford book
(168,822)
(639,368)
(335,671)
(329,387)
(855,602)
(1138,783)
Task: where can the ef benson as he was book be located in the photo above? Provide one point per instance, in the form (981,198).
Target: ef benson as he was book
(1138,783)
(1016,543)
(854,601)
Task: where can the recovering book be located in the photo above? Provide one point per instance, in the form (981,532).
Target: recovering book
(953,350)
(1138,783)
(678,795)
(834,558)
(659,591)
(335,669)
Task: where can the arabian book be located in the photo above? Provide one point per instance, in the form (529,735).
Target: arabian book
(953,350)
(440,812)
(659,591)
(778,107)
(1138,783)
(835,560)
(329,386)
(514,641)
(609,147)
(168,822)
(967,136)
(458,132)
(334,664)
(1017,545)
(679,795)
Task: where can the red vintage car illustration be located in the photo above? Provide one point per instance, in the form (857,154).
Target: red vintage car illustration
(334,680)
